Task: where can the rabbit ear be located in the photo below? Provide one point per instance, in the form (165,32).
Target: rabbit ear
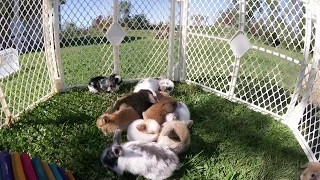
(172,135)
(304,166)
(152,97)
(109,110)
(117,150)
(141,127)
(163,76)
(144,115)
(189,123)
(116,137)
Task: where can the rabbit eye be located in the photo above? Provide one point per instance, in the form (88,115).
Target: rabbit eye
(106,119)
(312,175)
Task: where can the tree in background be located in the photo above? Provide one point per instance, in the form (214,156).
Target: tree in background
(140,21)
(229,16)
(101,22)
(199,20)
(125,11)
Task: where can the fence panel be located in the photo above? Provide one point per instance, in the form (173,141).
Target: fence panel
(272,77)
(86,52)
(24,76)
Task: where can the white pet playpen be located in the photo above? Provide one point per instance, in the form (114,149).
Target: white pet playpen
(261,53)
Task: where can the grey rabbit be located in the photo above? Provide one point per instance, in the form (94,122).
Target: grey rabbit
(147,159)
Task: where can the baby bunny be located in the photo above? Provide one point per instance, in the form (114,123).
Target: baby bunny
(151,84)
(155,84)
(311,171)
(108,122)
(148,159)
(175,135)
(166,84)
(143,130)
(139,101)
(182,113)
(105,84)
(159,110)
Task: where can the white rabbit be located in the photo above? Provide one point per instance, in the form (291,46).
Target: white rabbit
(155,84)
(151,84)
(147,132)
(149,159)
(181,113)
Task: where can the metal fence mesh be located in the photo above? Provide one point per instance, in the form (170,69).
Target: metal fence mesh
(23,67)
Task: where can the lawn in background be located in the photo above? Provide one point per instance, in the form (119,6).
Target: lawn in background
(228,140)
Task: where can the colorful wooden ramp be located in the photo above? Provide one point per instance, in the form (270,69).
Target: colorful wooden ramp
(15,166)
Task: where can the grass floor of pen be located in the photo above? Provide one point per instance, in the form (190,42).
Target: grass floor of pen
(228,140)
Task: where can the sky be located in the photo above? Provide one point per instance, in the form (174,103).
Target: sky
(82,12)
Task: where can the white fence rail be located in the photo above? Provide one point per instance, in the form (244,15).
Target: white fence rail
(62,44)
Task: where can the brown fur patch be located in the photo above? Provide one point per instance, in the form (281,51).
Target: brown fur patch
(311,171)
(159,110)
(121,119)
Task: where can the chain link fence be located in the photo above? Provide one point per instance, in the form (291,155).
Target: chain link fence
(48,46)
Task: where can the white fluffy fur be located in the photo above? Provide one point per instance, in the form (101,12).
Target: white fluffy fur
(149,135)
(92,89)
(139,162)
(181,113)
(151,84)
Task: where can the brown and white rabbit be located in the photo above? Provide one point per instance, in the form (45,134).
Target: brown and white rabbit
(144,130)
(109,122)
(311,171)
(159,110)
(175,135)
(139,101)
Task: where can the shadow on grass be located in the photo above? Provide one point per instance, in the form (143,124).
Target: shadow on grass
(83,41)
(263,92)
(223,128)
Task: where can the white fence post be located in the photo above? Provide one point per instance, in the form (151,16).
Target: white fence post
(46,6)
(116,60)
(171,39)
(4,106)
(236,66)
(183,47)
(294,112)
(59,78)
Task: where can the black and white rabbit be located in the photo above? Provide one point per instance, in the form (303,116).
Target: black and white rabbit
(155,84)
(147,159)
(105,84)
